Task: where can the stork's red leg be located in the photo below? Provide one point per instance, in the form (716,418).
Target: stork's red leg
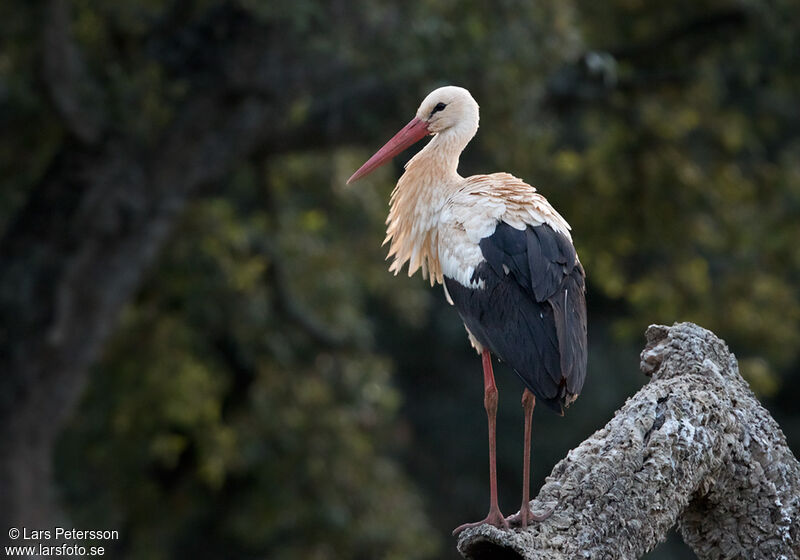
(525,514)
(490,404)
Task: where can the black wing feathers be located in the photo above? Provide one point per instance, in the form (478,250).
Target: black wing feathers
(569,306)
(505,321)
(531,311)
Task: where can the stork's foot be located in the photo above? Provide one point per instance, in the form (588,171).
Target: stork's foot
(494,518)
(525,517)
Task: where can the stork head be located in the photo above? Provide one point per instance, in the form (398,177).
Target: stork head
(447,110)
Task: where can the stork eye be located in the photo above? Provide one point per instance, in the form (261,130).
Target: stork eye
(439,107)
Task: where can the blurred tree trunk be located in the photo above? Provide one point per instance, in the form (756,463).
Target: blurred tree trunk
(693,447)
(76,252)
(69,262)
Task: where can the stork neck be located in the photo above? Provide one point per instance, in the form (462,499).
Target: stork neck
(437,162)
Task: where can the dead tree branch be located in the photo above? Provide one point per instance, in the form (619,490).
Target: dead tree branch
(692,447)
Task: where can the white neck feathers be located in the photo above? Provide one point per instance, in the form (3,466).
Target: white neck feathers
(430,178)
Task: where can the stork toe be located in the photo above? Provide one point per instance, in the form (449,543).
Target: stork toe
(494,518)
(525,517)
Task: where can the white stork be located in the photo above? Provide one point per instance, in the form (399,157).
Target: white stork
(507,262)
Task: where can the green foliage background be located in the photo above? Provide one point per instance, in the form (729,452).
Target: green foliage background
(273,392)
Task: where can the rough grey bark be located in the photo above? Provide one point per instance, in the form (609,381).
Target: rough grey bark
(692,447)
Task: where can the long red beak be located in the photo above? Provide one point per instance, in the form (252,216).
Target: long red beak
(411,133)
